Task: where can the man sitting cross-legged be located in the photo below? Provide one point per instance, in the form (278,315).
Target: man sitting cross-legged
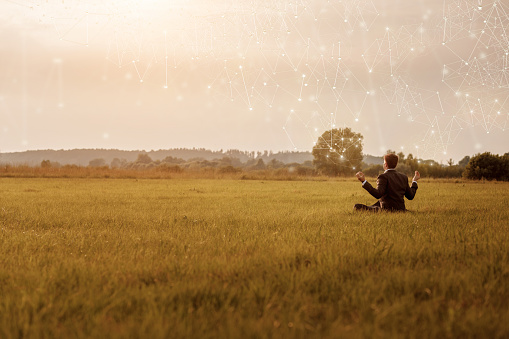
(391,187)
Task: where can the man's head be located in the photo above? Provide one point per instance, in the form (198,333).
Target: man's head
(390,161)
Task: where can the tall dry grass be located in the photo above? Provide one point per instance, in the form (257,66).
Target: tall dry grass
(103,258)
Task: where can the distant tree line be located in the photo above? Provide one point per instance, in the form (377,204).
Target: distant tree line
(82,157)
(427,168)
(225,164)
(485,166)
(481,166)
(337,152)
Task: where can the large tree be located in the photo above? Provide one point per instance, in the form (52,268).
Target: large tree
(338,152)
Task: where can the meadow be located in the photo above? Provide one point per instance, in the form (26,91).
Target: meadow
(202,258)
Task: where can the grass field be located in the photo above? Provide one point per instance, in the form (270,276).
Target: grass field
(108,258)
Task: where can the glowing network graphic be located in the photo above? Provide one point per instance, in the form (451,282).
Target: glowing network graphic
(337,57)
(474,91)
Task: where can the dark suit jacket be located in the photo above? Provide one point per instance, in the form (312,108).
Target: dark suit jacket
(392,188)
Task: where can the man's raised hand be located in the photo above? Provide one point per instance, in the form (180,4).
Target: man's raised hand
(417,176)
(360,176)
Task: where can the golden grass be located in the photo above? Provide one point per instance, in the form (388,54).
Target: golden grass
(249,258)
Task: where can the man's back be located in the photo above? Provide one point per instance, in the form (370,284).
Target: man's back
(392,188)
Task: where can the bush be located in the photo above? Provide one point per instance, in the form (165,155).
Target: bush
(229,169)
(165,167)
(374,170)
(305,171)
(487,166)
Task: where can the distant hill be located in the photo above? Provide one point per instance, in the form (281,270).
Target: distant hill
(83,157)
(373,160)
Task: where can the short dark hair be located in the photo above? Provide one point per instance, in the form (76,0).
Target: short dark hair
(391,159)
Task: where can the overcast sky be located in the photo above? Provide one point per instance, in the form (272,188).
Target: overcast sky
(425,77)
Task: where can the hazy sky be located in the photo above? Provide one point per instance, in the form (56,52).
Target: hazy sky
(427,77)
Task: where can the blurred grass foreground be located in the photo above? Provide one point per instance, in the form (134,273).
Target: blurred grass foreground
(200,258)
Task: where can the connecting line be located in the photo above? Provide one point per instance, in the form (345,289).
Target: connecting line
(302,86)
(440,101)
(166,59)
(245,87)
(60,85)
(441,138)
(445,26)
(483,115)
(390,52)
(118,51)
(86,17)
(289,138)
(62,36)
(136,68)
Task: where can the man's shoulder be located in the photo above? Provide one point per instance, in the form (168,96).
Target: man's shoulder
(396,173)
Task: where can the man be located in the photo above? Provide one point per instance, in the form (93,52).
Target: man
(391,187)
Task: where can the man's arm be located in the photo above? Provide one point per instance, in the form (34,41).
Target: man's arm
(381,185)
(411,190)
